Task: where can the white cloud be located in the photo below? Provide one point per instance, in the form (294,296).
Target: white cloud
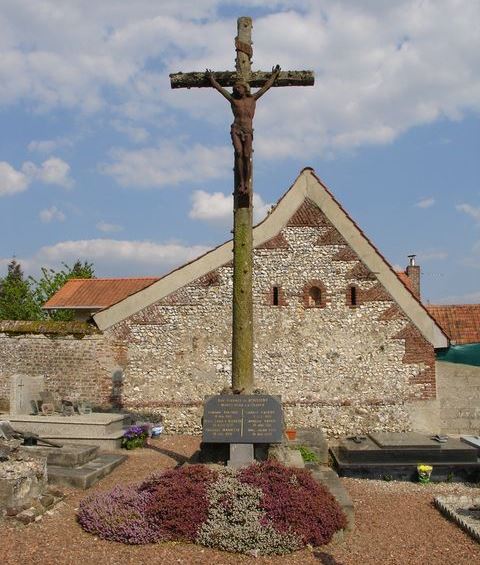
(425,202)
(167,164)
(47,215)
(52,171)
(120,255)
(49,145)
(135,134)
(217,207)
(470,210)
(381,67)
(108,228)
(11,180)
(112,257)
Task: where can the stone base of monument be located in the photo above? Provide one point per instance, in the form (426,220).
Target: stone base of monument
(315,440)
(99,429)
(241,455)
(396,456)
(74,465)
(220,453)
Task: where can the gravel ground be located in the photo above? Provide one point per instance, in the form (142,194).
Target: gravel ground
(396,523)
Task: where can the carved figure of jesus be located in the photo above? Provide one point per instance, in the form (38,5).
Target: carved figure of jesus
(243,107)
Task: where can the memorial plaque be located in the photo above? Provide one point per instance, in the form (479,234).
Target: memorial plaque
(243,418)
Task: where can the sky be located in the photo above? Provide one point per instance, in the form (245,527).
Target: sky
(101,161)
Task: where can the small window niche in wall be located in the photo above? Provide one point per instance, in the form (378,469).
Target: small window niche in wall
(352,296)
(276,296)
(314,295)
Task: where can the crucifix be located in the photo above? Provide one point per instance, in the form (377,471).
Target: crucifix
(243,108)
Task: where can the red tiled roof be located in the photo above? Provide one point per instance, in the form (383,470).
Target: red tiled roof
(461,322)
(96,293)
(407,281)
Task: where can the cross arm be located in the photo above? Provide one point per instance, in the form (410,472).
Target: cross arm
(228,78)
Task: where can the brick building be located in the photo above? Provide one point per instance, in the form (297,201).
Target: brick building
(341,336)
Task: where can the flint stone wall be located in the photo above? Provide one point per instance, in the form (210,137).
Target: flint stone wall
(348,368)
(74,359)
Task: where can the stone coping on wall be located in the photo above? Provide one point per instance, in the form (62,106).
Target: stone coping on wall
(47,327)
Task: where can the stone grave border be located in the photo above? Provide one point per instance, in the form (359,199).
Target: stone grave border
(449,506)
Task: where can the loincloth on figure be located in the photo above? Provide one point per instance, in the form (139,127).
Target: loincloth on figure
(241,131)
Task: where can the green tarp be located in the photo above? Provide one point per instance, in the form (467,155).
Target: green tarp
(466,354)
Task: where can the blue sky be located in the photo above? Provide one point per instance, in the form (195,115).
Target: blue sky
(100,160)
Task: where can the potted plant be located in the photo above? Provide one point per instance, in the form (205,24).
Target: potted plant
(291,433)
(135,436)
(424,473)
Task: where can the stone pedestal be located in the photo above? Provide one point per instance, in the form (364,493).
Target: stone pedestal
(241,455)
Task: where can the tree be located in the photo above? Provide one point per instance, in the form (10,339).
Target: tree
(17,300)
(51,281)
(22,299)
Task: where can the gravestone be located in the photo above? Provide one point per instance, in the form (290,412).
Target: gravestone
(24,389)
(243,418)
(242,421)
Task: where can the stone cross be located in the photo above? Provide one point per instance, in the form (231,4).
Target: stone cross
(24,389)
(243,107)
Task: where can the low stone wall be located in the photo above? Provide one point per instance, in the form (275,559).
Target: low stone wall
(334,420)
(459,397)
(73,357)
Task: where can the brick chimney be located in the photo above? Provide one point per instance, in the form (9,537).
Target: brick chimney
(413,273)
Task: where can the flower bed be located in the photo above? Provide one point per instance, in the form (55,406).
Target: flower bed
(266,509)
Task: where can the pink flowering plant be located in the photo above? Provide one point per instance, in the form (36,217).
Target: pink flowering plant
(135,436)
(266,509)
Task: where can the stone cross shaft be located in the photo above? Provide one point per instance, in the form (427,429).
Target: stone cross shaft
(243,108)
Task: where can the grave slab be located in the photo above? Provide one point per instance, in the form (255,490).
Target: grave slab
(84,476)
(24,389)
(104,430)
(399,457)
(368,451)
(474,441)
(406,440)
(69,455)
